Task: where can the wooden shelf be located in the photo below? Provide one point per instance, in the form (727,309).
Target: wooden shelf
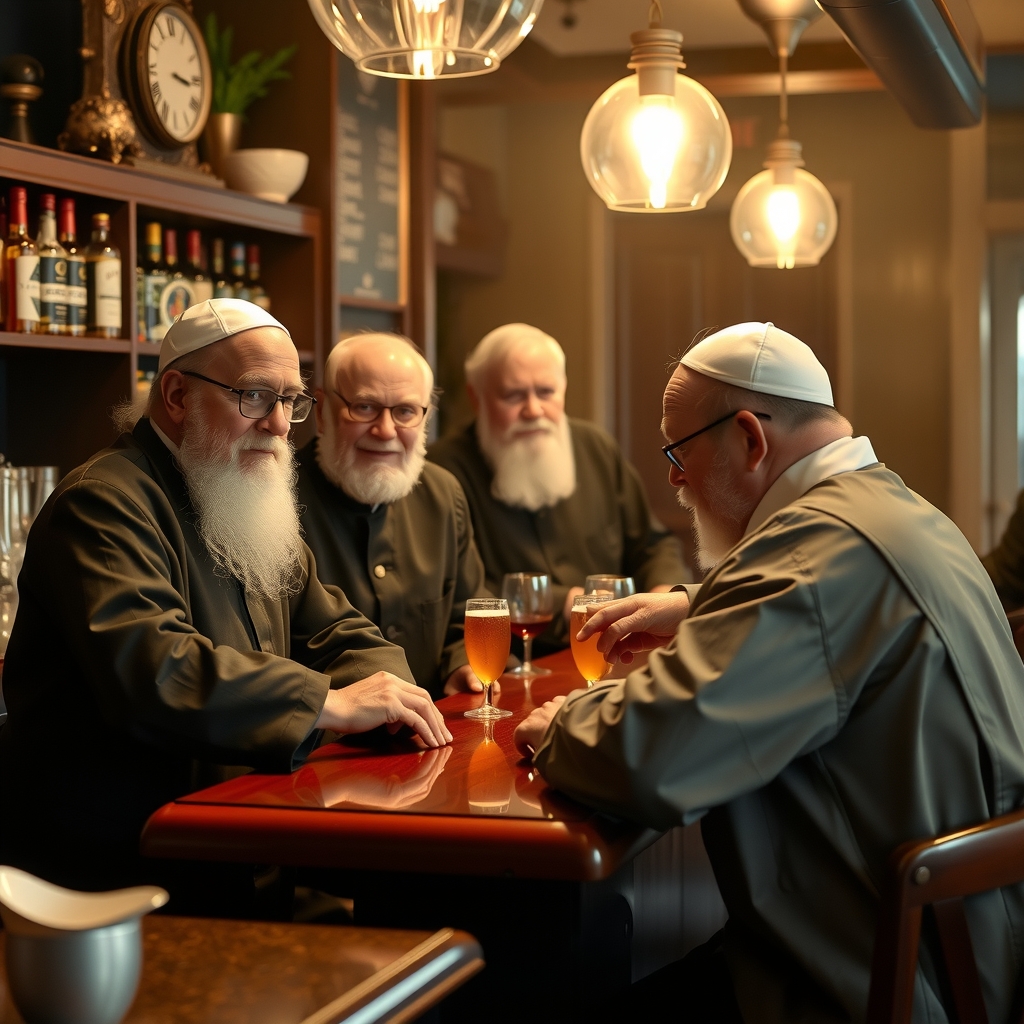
(64,342)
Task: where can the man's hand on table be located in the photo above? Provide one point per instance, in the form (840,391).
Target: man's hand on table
(384,699)
(464,680)
(530,731)
(638,623)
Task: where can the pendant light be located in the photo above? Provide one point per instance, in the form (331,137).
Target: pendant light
(657,141)
(783,217)
(426,38)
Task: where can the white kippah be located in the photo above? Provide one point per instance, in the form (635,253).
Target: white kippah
(760,357)
(213,320)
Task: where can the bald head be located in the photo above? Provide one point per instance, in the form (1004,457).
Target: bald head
(379,361)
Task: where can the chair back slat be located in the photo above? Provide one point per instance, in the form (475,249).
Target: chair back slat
(961,966)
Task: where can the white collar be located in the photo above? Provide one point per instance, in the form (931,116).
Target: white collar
(842,456)
(163,437)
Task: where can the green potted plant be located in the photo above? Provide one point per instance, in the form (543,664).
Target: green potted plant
(235,86)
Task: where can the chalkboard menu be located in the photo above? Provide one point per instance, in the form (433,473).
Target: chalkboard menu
(367,186)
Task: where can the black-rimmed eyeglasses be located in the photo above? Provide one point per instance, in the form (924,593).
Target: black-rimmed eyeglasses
(258,403)
(404,414)
(670,449)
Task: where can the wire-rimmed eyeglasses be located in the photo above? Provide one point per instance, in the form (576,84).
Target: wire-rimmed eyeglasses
(670,449)
(405,414)
(258,403)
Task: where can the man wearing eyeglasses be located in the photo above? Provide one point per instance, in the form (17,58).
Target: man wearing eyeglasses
(843,681)
(549,493)
(171,619)
(391,530)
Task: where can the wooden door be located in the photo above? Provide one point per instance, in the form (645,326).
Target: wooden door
(677,276)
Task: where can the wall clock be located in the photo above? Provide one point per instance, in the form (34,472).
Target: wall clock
(165,74)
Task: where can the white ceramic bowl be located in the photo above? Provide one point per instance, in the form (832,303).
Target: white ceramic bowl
(274,174)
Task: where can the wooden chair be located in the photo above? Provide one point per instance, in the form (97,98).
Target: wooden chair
(939,872)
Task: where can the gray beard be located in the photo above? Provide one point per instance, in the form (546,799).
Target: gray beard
(248,519)
(371,485)
(715,527)
(531,472)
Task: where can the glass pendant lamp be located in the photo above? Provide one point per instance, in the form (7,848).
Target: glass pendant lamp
(783,217)
(426,38)
(656,142)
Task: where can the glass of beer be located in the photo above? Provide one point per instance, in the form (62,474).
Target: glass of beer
(530,608)
(488,638)
(617,586)
(589,660)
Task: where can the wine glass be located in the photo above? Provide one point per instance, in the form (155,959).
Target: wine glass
(589,660)
(617,586)
(530,608)
(488,637)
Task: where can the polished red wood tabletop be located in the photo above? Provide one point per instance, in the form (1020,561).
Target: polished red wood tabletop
(474,807)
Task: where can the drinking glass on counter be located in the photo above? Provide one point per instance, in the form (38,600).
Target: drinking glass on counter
(589,660)
(616,586)
(488,638)
(530,608)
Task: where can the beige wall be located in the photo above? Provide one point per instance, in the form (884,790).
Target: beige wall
(899,181)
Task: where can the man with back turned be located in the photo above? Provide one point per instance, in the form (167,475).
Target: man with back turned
(171,620)
(843,680)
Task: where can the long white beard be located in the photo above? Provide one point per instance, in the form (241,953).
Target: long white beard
(373,484)
(531,470)
(248,518)
(715,526)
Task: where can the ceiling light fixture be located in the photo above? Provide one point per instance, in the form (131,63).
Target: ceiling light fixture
(657,141)
(426,38)
(783,217)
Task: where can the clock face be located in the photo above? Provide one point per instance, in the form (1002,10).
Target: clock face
(166,74)
(175,78)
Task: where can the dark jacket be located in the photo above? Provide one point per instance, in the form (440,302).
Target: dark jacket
(409,567)
(132,663)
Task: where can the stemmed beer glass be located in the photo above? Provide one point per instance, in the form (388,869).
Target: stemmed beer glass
(530,607)
(617,586)
(488,637)
(589,660)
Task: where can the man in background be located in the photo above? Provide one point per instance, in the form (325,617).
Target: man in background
(390,529)
(549,493)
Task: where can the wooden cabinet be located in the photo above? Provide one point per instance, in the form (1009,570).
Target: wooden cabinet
(56,392)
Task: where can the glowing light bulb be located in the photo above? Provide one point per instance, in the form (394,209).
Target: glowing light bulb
(423,63)
(427,6)
(657,132)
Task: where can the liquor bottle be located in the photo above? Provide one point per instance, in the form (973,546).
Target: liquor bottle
(177,294)
(239,284)
(3,262)
(221,285)
(77,301)
(154,277)
(257,293)
(21,265)
(53,270)
(202,286)
(102,281)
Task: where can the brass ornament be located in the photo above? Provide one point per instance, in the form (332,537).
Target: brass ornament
(100,126)
(114,10)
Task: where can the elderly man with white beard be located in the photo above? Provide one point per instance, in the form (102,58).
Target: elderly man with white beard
(171,619)
(391,530)
(843,680)
(549,493)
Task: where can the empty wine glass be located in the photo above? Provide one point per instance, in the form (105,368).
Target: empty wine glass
(530,609)
(615,586)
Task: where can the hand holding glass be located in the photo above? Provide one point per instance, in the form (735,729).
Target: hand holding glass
(589,660)
(488,637)
(530,607)
(616,586)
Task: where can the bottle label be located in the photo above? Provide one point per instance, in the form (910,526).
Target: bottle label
(26,276)
(77,299)
(152,289)
(106,285)
(176,297)
(53,289)
(203,290)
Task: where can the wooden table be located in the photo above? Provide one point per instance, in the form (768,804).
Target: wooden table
(468,835)
(200,971)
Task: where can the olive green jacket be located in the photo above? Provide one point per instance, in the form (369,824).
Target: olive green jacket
(409,567)
(845,681)
(604,526)
(131,660)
